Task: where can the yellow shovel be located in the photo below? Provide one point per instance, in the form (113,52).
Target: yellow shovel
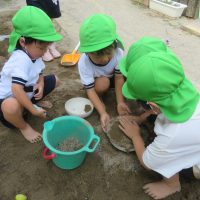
(71,59)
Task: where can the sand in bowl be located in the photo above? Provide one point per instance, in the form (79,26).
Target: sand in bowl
(69,144)
(87,108)
(119,140)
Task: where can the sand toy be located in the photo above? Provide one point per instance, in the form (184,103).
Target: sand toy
(71,59)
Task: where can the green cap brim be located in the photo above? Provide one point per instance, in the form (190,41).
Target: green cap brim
(51,38)
(126,92)
(14,37)
(96,47)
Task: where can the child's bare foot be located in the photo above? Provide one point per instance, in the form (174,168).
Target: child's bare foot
(161,189)
(44,104)
(31,135)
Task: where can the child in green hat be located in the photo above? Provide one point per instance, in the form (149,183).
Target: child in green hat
(157,77)
(22,83)
(98,66)
(138,49)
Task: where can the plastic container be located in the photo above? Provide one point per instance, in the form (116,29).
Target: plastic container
(174,9)
(64,127)
(199,12)
(79,106)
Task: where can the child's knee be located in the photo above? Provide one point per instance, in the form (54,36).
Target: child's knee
(10,106)
(102,84)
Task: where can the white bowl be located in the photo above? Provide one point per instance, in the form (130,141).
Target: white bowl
(77,106)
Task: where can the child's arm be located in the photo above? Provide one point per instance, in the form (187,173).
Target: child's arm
(141,118)
(21,96)
(100,107)
(39,87)
(122,108)
(132,130)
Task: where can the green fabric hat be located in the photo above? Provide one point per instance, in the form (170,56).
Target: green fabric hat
(32,22)
(140,48)
(97,32)
(158,77)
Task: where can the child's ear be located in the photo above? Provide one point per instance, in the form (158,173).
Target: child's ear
(22,41)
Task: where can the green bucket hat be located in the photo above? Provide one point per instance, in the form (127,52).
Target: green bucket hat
(140,48)
(97,32)
(32,22)
(158,77)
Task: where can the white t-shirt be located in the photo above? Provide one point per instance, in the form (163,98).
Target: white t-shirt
(19,69)
(89,71)
(176,147)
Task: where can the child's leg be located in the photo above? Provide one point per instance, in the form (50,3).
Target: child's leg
(102,85)
(164,188)
(50,83)
(13,113)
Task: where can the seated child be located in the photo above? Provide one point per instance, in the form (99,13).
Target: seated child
(158,78)
(98,65)
(21,80)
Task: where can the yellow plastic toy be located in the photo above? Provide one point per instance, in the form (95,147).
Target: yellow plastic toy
(71,59)
(20,197)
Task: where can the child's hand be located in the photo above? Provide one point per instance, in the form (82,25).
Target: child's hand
(130,128)
(105,119)
(39,112)
(141,118)
(134,118)
(39,87)
(123,109)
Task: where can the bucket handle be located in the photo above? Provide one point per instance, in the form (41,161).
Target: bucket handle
(48,157)
(97,140)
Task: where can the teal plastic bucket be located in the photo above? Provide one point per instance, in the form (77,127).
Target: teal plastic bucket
(61,128)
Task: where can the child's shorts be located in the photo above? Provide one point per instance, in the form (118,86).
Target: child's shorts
(112,82)
(50,7)
(49,86)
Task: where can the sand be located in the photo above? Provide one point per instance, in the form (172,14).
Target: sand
(69,144)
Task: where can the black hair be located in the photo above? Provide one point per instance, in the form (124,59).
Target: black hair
(144,104)
(29,40)
(107,49)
